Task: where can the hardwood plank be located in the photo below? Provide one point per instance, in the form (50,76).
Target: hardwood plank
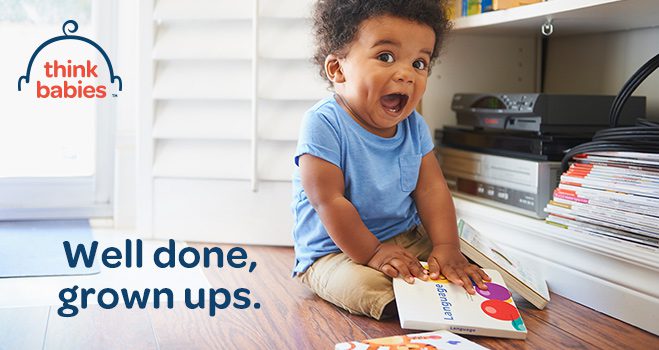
(98,328)
(543,336)
(183,328)
(593,327)
(290,316)
(23,328)
(293,317)
(540,334)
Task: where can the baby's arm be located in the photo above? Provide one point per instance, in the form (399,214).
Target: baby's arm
(437,213)
(324,186)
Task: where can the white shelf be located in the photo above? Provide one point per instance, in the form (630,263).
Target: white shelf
(538,228)
(569,17)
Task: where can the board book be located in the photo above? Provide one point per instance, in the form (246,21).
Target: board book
(488,254)
(420,341)
(442,305)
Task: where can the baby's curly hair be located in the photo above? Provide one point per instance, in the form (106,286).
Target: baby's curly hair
(336,22)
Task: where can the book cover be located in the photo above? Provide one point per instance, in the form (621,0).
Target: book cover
(421,341)
(473,7)
(441,305)
(507,4)
(488,254)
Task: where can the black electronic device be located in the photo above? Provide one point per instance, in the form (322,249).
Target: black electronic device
(523,145)
(543,113)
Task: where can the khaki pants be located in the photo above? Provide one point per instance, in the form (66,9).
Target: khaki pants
(356,288)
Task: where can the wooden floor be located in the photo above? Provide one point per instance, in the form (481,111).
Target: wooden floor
(291,317)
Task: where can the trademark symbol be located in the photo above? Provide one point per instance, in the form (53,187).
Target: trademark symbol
(114,95)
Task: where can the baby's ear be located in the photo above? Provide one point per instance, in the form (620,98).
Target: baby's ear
(333,69)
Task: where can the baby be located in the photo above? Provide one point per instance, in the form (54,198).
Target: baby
(369,197)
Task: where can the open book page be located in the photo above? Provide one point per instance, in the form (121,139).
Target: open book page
(504,260)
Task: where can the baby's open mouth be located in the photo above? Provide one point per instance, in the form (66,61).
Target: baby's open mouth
(394,102)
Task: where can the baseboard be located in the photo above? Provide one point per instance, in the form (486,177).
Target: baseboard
(619,280)
(636,308)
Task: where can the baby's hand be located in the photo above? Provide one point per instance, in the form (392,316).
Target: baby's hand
(447,260)
(395,261)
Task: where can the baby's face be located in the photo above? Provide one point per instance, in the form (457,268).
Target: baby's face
(385,71)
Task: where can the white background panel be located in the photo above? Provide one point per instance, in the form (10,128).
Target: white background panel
(231,39)
(177,10)
(280,120)
(285,39)
(285,8)
(223,211)
(203,119)
(290,80)
(202,159)
(275,159)
(203,79)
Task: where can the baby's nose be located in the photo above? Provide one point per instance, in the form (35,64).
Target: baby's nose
(404,74)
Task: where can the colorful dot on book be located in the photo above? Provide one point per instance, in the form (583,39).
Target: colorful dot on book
(518,324)
(494,291)
(453,342)
(500,310)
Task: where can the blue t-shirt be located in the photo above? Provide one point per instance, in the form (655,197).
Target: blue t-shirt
(379,175)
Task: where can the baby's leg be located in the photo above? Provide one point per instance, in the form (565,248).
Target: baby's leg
(356,288)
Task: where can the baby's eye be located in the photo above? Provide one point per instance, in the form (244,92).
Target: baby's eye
(419,64)
(386,57)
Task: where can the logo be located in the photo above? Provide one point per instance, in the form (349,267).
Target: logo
(68,78)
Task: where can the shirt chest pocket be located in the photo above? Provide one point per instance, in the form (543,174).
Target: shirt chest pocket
(409,171)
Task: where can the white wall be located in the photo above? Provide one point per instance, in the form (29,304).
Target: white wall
(579,64)
(602,63)
(510,67)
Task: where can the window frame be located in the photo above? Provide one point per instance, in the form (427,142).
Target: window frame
(25,198)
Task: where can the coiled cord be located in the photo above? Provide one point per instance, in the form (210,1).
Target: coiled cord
(644,137)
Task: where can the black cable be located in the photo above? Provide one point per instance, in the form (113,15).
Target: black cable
(629,87)
(643,138)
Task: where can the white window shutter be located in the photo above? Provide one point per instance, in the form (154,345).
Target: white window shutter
(217,150)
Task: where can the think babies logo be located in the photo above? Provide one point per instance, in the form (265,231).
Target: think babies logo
(69,78)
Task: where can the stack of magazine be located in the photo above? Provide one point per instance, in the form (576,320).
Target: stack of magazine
(610,194)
